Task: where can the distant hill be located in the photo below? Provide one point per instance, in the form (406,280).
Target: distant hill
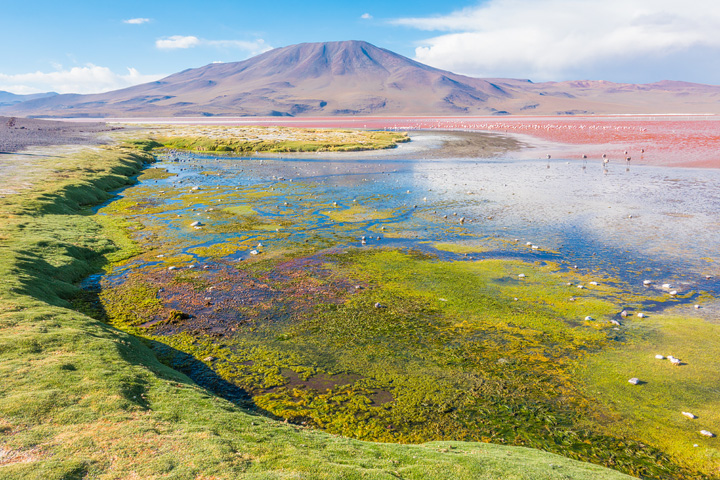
(7,98)
(357,78)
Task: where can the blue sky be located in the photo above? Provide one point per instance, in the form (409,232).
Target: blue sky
(83,46)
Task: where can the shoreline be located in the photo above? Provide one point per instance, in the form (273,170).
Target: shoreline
(678,140)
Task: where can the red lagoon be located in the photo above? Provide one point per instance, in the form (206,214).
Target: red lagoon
(670,140)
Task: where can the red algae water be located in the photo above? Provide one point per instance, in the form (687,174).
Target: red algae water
(673,140)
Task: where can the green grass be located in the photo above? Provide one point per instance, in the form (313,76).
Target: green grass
(326,141)
(80,399)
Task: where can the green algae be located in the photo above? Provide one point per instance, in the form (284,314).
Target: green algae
(241,210)
(357,213)
(450,349)
(331,141)
(653,410)
(155,174)
(459,248)
(220,250)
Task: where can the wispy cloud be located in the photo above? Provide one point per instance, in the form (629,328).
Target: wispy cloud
(86,79)
(551,39)
(176,42)
(136,21)
(366,16)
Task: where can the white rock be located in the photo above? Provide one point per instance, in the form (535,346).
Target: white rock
(594,283)
(172,268)
(615,322)
(641,315)
(634,381)
(254,252)
(647,282)
(706,433)
(697,307)
(673,292)
(624,314)
(581,286)
(196,224)
(689,415)
(522,275)
(666,286)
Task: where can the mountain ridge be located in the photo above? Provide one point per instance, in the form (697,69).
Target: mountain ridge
(357,78)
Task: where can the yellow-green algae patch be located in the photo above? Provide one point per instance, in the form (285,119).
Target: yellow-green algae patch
(219,250)
(652,411)
(250,139)
(439,350)
(241,210)
(155,174)
(459,247)
(357,213)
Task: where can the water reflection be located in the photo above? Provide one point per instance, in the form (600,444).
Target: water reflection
(631,222)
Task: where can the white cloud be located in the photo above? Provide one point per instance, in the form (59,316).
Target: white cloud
(87,79)
(136,21)
(366,16)
(551,39)
(177,41)
(180,42)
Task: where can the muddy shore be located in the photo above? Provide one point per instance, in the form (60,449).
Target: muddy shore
(470,144)
(17,134)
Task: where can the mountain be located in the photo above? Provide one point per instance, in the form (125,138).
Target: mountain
(357,78)
(7,98)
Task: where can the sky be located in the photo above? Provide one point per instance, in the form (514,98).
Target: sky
(76,46)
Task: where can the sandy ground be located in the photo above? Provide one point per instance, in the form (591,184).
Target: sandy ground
(27,145)
(19,133)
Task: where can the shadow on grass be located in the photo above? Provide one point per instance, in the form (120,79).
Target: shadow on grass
(88,302)
(203,375)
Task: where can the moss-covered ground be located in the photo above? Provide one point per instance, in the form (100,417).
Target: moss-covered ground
(400,345)
(80,399)
(253,139)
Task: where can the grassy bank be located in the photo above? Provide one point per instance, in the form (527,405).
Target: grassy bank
(80,399)
(250,139)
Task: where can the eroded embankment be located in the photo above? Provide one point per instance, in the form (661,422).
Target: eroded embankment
(80,399)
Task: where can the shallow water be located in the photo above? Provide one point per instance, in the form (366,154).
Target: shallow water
(625,221)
